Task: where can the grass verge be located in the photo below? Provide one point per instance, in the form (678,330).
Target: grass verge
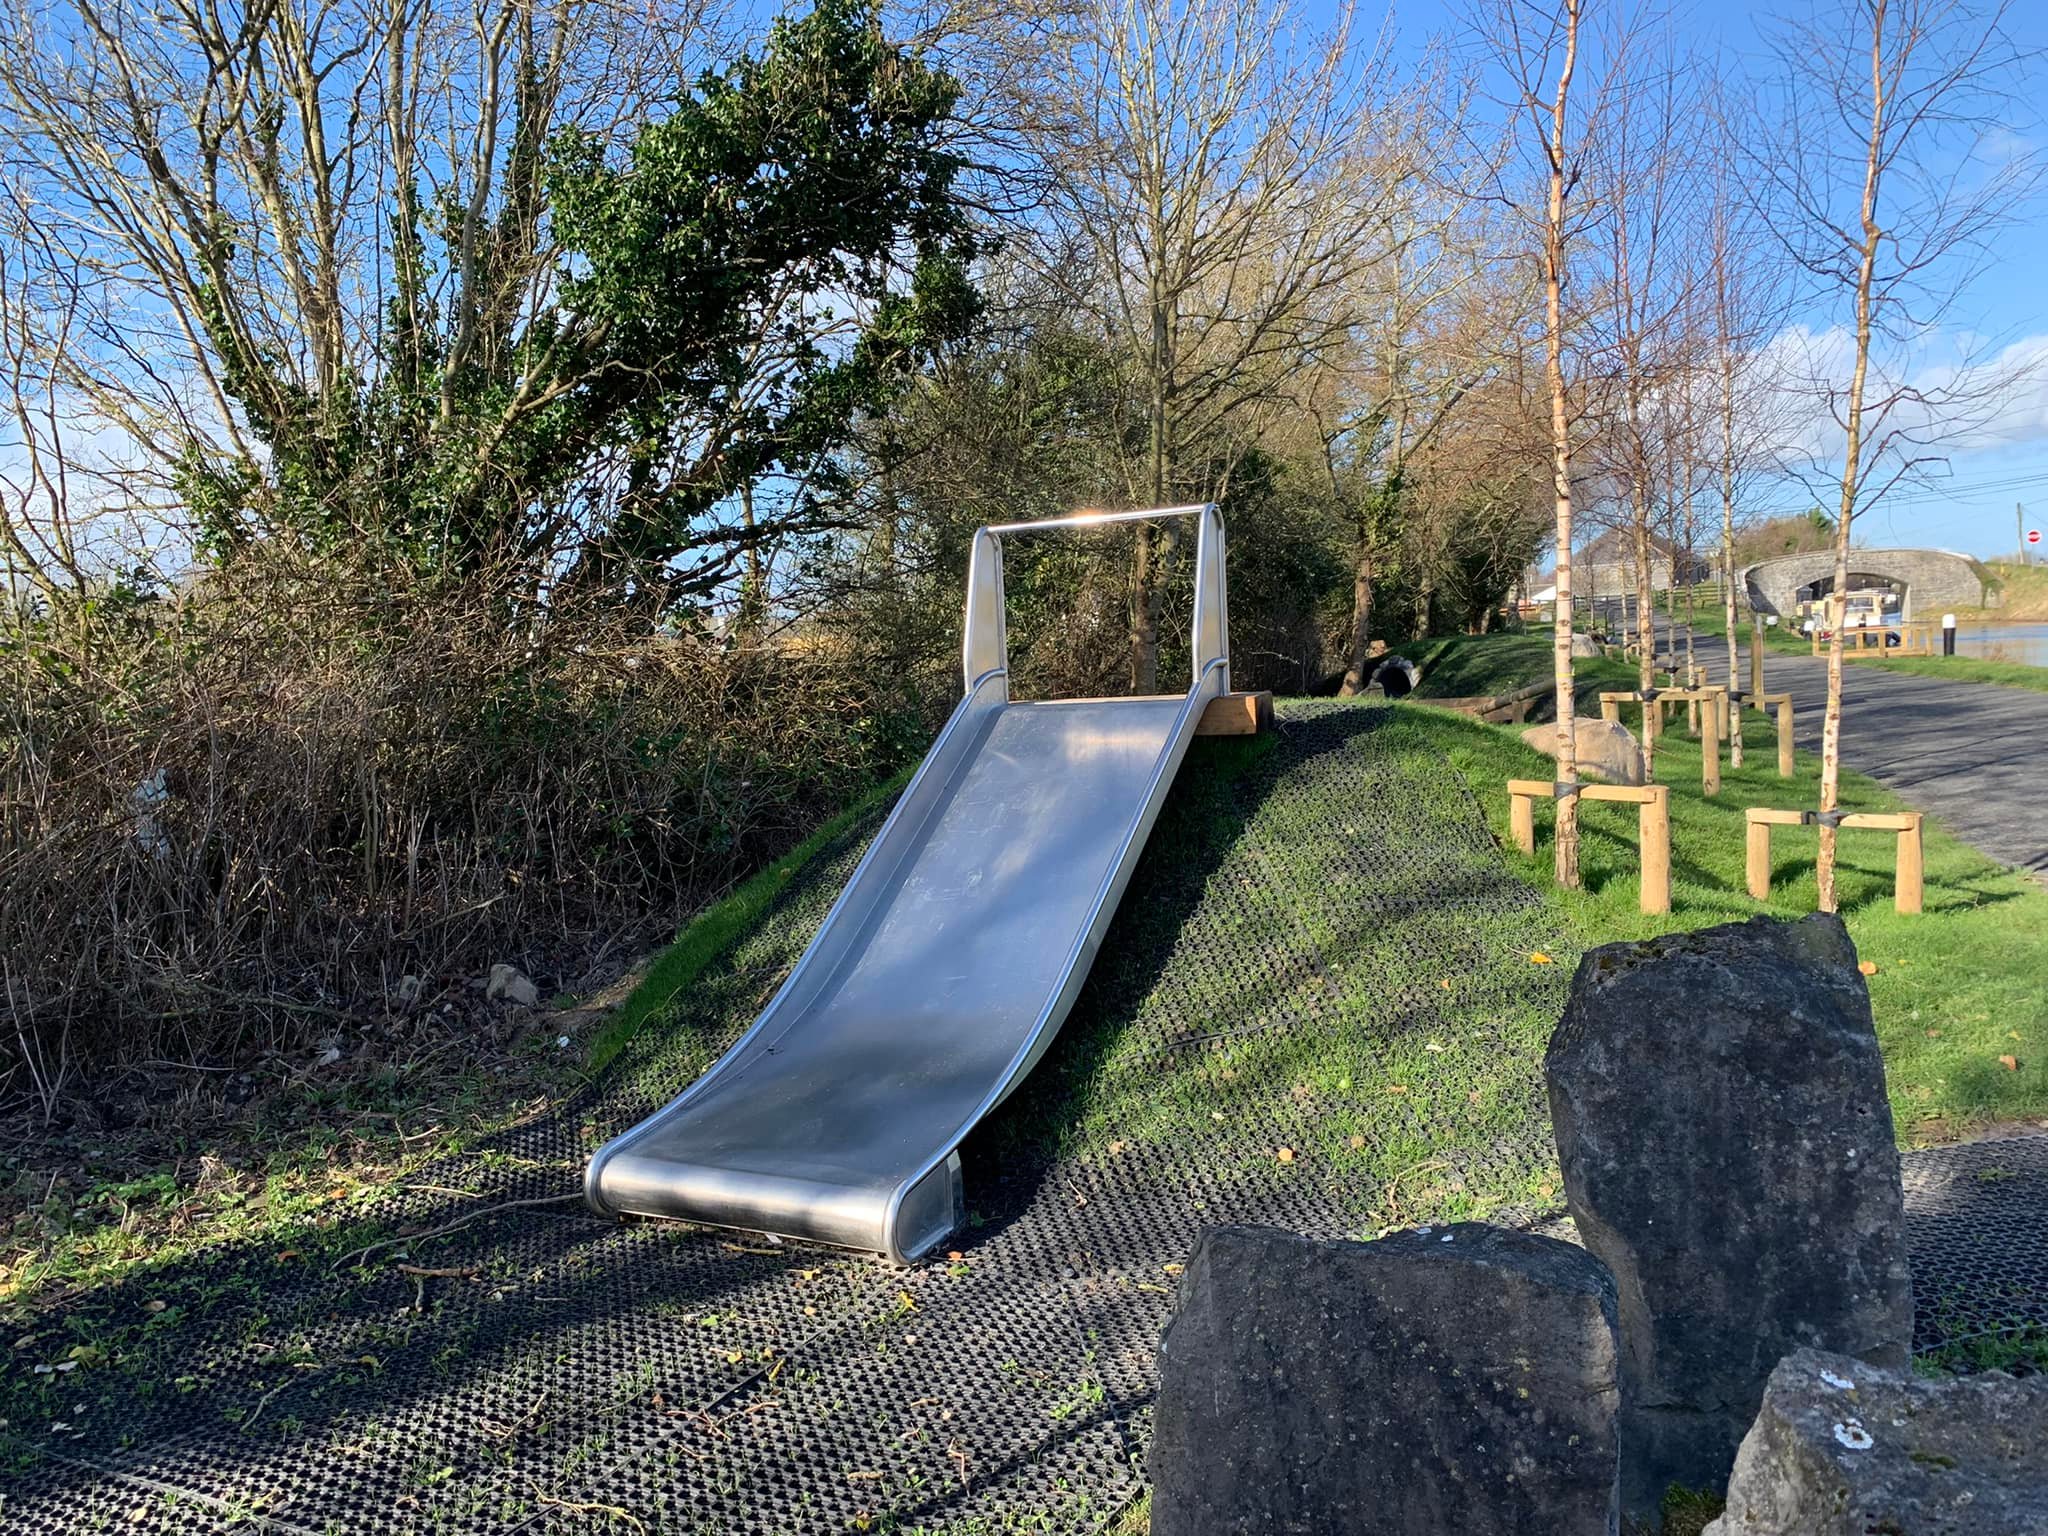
(1960,1010)
(1954,669)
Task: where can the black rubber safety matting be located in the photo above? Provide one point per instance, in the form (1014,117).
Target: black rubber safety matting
(1977,1229)
(1322,1005)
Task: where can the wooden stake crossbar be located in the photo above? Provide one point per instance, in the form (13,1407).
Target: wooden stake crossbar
(1653,826)
(1653,719)
(1908,881)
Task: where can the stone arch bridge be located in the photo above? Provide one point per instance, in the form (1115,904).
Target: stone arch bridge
(1932,579)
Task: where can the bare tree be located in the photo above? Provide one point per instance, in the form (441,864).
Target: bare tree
(1642,180)
(1541,47)
(1745,290)
(1876,183)
(1447,319)
(1229,180)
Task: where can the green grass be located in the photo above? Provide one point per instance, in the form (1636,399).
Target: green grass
(1956,988)
(1476,666)
(2025,1350)
(1379,1040)
(2022,592)
(1955,669)
(1960,669)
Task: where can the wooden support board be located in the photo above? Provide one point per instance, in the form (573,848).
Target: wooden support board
(1653,827)
(1787,752)
(1237,714)
(1909,878)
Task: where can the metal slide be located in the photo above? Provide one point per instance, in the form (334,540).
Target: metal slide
(949,961)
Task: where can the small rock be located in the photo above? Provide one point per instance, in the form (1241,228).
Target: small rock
(1463,1379)
(1841,1448)
(1606,748)
(1727,1148)
(506,984)
(1586,645)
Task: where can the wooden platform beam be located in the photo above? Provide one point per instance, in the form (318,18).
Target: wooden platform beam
(1237,714)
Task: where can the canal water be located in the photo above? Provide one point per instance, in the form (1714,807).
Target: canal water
(2026,643)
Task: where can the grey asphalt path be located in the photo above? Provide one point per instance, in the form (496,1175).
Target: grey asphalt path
(1971,754)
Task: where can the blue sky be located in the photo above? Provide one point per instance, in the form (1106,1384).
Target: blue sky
(1968,504)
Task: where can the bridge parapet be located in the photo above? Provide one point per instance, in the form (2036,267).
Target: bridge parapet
(1934,579)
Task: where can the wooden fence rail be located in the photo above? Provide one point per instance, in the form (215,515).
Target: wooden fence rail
(1919,638)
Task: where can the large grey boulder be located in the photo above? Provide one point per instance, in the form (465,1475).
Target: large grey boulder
(1586,645)
(1842,1448)
(1727,1151)
(1461,1378)
(1606,748)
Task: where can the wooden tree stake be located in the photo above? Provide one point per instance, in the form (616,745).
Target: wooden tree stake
(1653,826)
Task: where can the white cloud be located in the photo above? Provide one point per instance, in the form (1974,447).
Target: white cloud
(1937,395)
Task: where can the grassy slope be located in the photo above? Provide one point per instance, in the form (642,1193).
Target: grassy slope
(1409,1033)
(1956,987)
(716,929)
(2023,593)
(1475,666)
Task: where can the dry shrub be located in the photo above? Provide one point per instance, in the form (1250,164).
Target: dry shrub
(229,816)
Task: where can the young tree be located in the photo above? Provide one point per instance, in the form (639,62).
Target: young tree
(1876,184)
(1744,301)
(1445,323)
(1537,45)
(1642,178)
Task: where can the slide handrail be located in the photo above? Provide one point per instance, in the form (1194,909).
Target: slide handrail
(985,642)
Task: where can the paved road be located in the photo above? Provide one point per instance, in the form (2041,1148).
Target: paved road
(1972,754)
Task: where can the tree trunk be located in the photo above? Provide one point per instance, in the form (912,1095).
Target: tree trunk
(1357,662)
(1852,449)
(1155,543)
(754,583)
(1561,466)
(1728,553)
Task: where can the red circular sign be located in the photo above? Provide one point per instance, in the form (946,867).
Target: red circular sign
(2033,535)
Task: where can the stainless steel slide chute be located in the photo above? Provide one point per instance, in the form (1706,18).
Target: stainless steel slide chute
(947,964)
